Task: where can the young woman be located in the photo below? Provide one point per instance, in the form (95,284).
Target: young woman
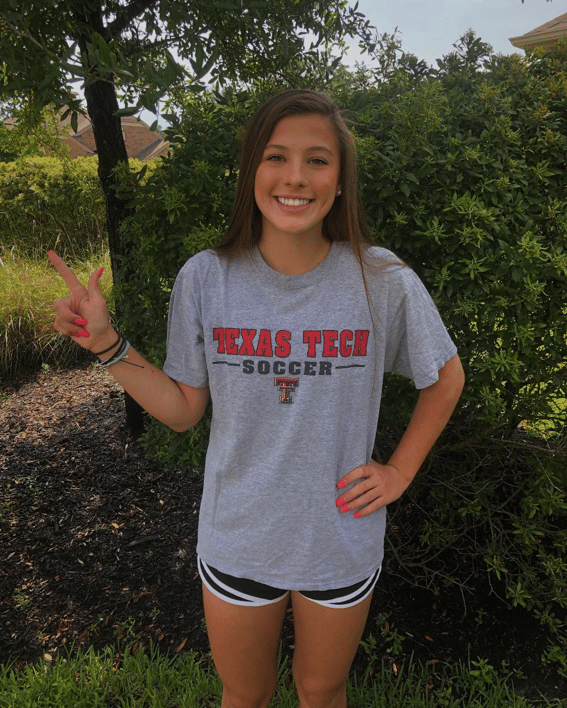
(289,326)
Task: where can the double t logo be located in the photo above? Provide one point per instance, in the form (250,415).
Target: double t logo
(286,385)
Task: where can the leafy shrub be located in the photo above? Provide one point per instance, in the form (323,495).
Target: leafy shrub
(463,176)
(468,186)
(182,209)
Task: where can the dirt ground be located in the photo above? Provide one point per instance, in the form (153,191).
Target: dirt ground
(97,544)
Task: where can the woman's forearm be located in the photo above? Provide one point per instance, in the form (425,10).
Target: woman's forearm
(433,409)
(177,405)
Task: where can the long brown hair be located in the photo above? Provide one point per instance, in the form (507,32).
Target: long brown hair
(345,220)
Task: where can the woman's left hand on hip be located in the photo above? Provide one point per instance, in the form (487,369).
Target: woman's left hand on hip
(374,486)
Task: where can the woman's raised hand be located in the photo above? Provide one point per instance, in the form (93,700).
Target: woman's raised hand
(83,314)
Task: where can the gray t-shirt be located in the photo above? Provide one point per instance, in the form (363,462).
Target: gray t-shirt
(295,367)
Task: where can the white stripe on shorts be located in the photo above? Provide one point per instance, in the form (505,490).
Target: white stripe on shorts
(228,594)
(351,599)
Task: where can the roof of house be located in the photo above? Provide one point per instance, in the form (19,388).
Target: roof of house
(545,36)
(141,142)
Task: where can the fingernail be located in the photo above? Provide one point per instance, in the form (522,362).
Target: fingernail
(49,252)
(100,272)
(81,322)
(341,483)
(84,333)
(340,501)
(344,508)
(357,514)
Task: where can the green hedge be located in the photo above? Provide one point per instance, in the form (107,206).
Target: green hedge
(467,183)
(49,202)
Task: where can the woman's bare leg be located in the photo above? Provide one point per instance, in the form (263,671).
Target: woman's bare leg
(244,643)
(326,640)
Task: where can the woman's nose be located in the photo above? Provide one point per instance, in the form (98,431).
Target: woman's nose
(295,173)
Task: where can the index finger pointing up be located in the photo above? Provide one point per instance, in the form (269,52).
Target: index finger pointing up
(64,271)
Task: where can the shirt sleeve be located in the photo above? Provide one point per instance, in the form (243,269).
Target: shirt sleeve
(418,344)
(185,361)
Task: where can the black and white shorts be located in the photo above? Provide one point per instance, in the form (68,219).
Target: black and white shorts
(241,591)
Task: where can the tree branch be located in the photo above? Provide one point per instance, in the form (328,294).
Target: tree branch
(126,15)
(142,47)
(27,35)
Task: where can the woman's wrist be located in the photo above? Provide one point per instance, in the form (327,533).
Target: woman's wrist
(107,345)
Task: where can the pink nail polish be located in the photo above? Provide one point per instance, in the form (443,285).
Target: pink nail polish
(340,501)
(81,322)
(344,508)
(341,483)
(100,272)
(357,515)
(84,333)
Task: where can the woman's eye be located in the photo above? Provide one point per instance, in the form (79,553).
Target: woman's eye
(319,161)
(274,158)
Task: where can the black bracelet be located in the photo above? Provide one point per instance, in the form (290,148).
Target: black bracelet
(109,348)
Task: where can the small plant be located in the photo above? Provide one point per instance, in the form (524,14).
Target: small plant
(394,640)
(484,672)
(556,655)
(21,598)
(480,615)
(96,625)
(126,634)
(30,483)
(4,511)
(368,646)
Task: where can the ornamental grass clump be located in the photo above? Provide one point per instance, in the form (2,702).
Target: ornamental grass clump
(27,291)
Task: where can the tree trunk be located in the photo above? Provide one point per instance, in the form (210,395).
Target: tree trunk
(102,105)
(111,150)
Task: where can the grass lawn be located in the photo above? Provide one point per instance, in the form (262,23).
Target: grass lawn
(147,678)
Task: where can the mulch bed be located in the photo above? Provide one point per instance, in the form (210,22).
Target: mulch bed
(97,545)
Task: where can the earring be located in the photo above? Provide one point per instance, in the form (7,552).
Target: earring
(339,193)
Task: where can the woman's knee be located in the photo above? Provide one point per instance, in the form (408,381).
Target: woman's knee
(244,698)
(316,693)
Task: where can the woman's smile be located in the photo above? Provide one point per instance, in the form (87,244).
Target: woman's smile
(287,201)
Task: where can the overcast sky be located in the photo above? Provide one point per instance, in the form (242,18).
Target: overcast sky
(429,28)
